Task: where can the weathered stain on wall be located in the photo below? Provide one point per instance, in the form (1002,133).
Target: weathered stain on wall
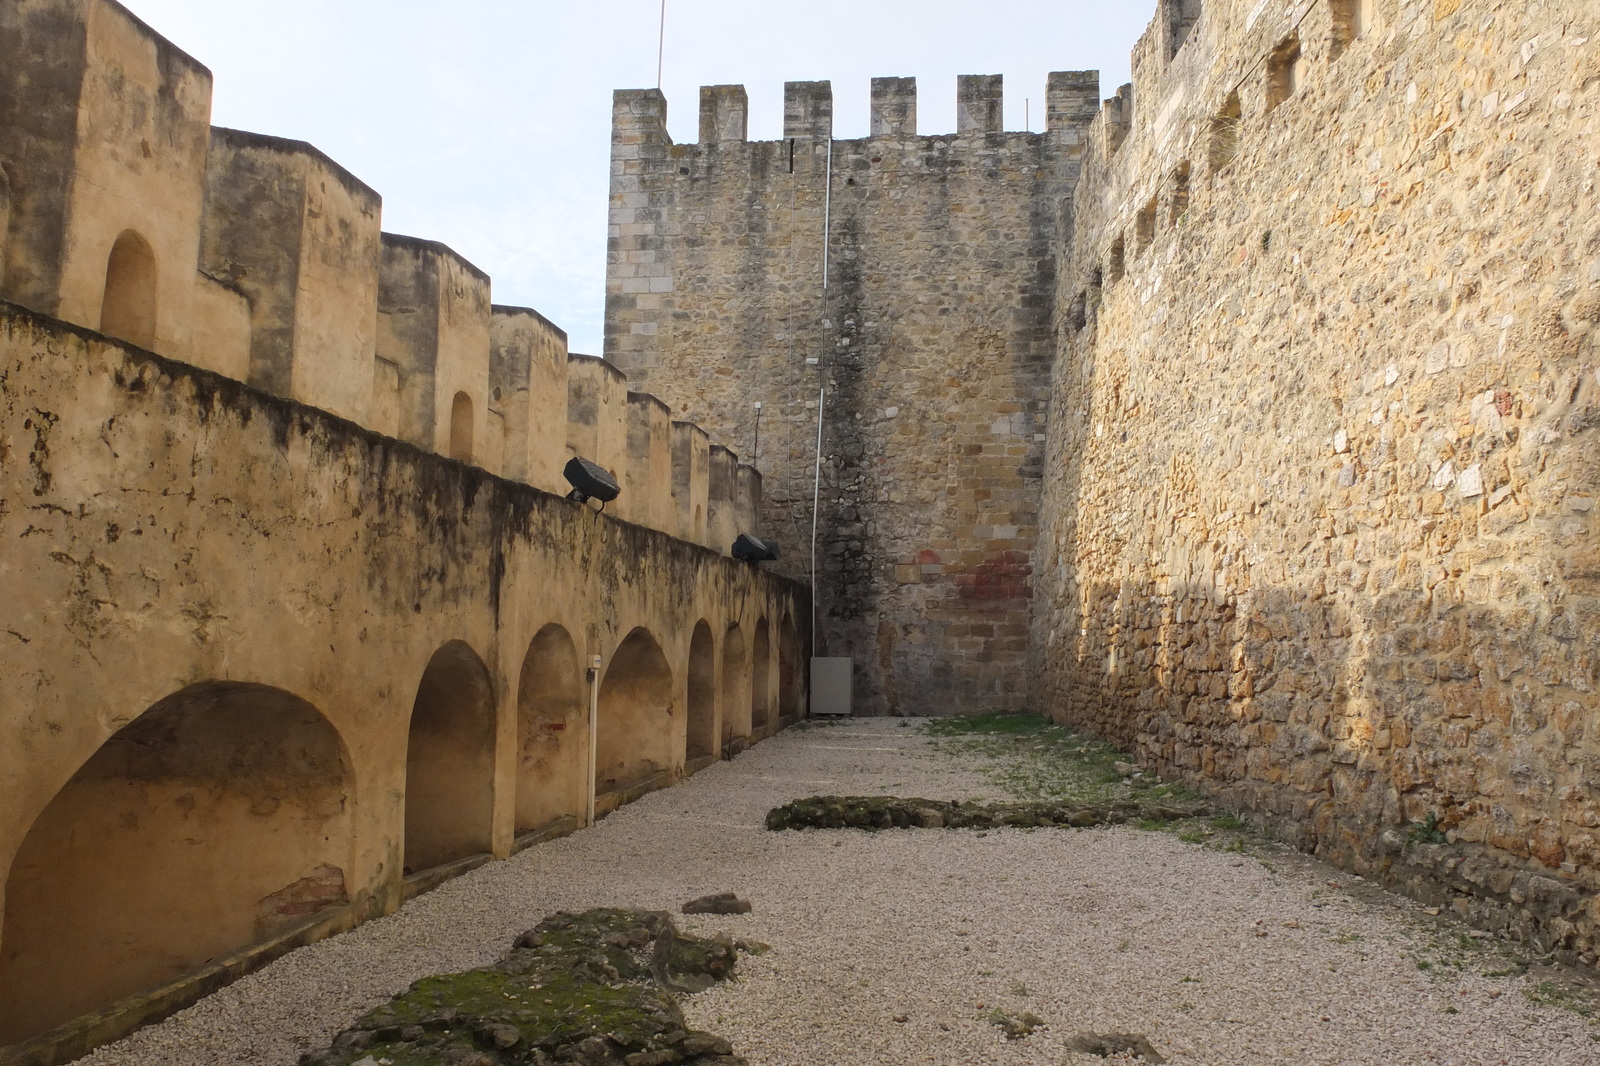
(1319,502)
(44,44)
(910,276)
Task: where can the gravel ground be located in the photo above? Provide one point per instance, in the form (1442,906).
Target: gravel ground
(896,947)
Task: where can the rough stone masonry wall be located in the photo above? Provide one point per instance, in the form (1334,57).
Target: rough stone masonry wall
(1320,527)
(932,340)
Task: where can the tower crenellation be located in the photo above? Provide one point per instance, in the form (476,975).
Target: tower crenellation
(980,103)
(724,114)
(808,110)
(894,108)
(1072,99)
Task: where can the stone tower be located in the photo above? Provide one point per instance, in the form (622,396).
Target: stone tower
(905,281)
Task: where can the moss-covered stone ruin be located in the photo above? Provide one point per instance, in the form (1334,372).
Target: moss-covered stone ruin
(590,989)
(890,812)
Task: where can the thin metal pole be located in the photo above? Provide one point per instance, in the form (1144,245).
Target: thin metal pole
(816,503)
(661,45)
(1027,116)
(755,455)
(827,214)
(594,739)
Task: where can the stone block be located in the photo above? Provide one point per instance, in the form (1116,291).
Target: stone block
(980,103)
(724,114)
(894,107)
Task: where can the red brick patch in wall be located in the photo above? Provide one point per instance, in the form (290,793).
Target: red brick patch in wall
(1004,576)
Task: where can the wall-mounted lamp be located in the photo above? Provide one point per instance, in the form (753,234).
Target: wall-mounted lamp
(748,549)
(590,481)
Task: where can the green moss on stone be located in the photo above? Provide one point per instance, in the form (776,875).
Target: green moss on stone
(873,813)
(593,988)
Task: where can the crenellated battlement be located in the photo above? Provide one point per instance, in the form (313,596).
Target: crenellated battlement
(640,115)
(262,259)
(1207,82)
(807,110)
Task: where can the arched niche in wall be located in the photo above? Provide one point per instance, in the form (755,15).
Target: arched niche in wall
(128,308)
(461,416)
(735,687)
(218,817)
(450,761)
(1352,19)
(789,660)
(634,724)
(1226,128)
(761,678)
(702,714)
(552,731)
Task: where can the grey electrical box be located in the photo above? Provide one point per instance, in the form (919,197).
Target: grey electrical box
(831,681)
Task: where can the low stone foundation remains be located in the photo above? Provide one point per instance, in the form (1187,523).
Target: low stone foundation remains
(591,989)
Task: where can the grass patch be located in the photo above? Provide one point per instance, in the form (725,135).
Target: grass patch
(1563,996)
(989,725)
(1030,757)
(1446,952)
(1426,831)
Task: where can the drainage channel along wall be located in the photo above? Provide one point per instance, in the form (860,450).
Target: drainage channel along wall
(1320,498)
(270,672)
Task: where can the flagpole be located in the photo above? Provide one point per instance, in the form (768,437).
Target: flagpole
(661,45)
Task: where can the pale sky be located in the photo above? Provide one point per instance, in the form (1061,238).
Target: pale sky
(485,124)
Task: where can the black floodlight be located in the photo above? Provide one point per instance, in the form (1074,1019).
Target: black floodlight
(590,481)
(748,549)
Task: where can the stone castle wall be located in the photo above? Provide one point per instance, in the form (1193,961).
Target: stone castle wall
(925,317)
(286,647)
(1325,439)
(175,537)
